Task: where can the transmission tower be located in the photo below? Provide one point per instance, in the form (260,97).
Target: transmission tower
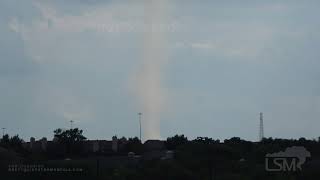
(261,132)
(140,118)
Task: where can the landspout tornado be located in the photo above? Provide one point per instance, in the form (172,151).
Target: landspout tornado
(150,90)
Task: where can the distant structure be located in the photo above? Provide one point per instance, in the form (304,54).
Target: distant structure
(71,124)
(261,131)
(140,118)
(89,146)
(3,131)
(44,144)
(155,149)
(32,142)
(114,145)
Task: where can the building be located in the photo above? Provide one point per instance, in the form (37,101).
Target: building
(89,146)
(153,145)
(154,149)
(37,146)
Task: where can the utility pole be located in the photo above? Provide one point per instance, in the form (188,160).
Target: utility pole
(71,124)
(3,131)
(140,118)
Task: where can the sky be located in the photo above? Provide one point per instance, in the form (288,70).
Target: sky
(198,68)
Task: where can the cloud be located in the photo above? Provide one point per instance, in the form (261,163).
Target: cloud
(230,40)
(14,25)
(62,102)
(203,45)
(54,34)
(80,55)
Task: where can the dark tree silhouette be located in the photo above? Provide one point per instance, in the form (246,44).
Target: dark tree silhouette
(134,145)
(71,135)
(173,142)
(16,142)
(13,143)
(71,140)
(206,140)
(5,141)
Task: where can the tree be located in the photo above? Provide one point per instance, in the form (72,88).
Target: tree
(173,142)
(233,140)
(134,145)
(5,141)
(12,142)
(16,142)
(71,139)
(71,135)
(206,140)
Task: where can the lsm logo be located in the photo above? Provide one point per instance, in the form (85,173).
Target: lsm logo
(291,159)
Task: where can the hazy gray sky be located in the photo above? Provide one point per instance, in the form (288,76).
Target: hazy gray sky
(226,62)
